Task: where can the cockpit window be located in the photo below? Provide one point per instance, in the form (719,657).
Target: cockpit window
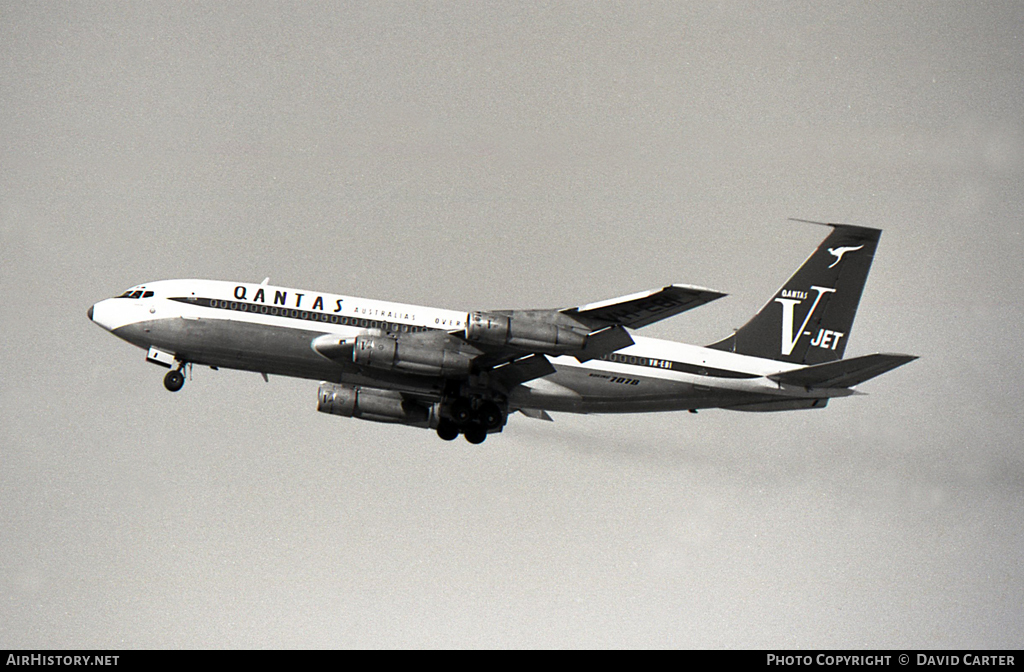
(146,295)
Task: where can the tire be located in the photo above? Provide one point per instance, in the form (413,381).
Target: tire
(174,380)
(490,415)
(476,435)
(461,411)
(447,430)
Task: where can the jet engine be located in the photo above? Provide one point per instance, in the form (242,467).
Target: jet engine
(382,352)
(371,403)
(517,332)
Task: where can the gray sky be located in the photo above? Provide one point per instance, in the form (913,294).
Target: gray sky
(479,156)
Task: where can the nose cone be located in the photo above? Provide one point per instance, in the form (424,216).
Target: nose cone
(104,315)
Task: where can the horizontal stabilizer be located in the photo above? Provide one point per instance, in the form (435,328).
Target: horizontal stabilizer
(643,308)
(843,373)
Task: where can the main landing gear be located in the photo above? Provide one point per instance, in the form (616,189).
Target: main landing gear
(473,423)
(447,430)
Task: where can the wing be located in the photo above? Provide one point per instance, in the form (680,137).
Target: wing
(585,332)
(643,308)
(508,348)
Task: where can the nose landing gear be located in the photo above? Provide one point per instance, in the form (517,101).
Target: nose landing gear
(174,380)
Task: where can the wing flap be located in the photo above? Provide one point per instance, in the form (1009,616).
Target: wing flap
(521,370)
(844,372)
(603,342)
(643,308)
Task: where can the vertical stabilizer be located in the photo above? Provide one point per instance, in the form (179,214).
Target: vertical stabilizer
(809,319)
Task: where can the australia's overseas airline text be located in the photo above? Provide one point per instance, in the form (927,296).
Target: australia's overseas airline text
(301,300)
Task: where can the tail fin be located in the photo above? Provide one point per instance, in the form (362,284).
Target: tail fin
(809,319)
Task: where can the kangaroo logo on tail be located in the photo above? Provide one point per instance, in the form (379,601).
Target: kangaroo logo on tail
(818,303)
(838,252)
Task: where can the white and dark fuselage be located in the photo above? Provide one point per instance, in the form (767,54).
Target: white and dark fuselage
(270,330)
(308,334)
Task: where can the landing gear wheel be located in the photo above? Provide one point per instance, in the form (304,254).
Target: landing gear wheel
(174,380)
(461,411)
(490,415)
(447,430)
(476,435)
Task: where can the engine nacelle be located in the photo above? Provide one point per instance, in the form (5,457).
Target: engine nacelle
(382,352)
(371,403)
(516,332)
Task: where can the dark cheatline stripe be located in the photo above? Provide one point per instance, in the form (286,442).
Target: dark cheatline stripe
(676,366)
(296,314)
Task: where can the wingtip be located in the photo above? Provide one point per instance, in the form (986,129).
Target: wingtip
(707,290)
